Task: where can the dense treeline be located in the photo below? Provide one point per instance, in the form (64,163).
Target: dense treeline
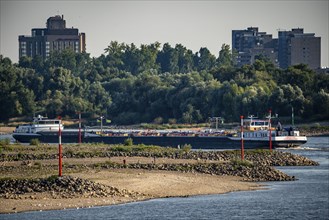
(150,83)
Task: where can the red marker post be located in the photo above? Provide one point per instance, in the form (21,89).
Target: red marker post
(242,147)
(59,147)
(270,130)
(79,139)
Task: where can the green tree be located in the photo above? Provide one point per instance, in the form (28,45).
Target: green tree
(25,62)
(225,58)
(131,59)
(99,98)
(204,59)
(148,57)
(15,99)
(168,59)
(114,57)
(55,105)
(321,104)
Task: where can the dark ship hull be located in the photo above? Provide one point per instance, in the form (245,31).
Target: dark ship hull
(196,142)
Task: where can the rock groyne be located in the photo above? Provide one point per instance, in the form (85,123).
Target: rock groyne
(60,187)
(247,170)
(264,157)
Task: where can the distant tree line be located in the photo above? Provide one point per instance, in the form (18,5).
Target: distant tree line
(150,83)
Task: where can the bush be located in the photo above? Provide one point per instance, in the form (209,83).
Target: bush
(121,148)
(128,142)
(158,120)
(52,178)
(4,142)
(70,152)
(172,121)
(187,148)
(34,142)
(146,148)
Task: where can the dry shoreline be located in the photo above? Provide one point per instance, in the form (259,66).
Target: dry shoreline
(149,184)
(96,174)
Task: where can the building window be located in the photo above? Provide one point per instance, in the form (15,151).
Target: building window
(23,45)
(23,51)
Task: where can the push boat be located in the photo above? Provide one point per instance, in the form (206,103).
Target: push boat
(258,132)
(255,135)
(45,130)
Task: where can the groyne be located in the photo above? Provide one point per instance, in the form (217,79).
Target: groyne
(264,157)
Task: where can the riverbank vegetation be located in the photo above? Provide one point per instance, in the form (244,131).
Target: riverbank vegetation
(158,84)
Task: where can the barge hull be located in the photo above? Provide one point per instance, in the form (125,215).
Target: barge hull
(217,142)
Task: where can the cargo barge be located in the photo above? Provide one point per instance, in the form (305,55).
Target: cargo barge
(256,136)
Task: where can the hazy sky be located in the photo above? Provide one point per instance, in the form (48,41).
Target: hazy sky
(194,24)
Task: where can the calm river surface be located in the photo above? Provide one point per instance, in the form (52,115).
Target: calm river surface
(306,198)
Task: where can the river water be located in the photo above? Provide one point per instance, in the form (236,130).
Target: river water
(306,198)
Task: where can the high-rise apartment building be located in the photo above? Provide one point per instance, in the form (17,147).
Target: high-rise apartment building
(297,47)
(56,37)
(291,48)
(250,43)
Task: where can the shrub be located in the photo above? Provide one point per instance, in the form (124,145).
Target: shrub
(34,141)
(4,142)
(158,120)
(52,178)
(128,142)
(187,148)
(121,148)
(172,121)
(70,152)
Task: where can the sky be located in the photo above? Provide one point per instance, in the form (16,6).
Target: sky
(194,24)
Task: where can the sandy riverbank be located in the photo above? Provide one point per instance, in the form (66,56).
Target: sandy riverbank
(98,174)
(149,184)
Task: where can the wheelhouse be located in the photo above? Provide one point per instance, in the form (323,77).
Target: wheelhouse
(255,125)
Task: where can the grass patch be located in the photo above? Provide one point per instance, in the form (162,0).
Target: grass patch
(52,178)
(128,142)
(6,178)
(148,149)
(121,148)
(186,148)
(34,142)
(243,163)
(4,142)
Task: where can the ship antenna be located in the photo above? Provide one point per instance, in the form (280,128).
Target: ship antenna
(251,117)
